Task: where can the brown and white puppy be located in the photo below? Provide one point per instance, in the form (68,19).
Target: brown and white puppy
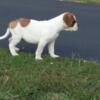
(39,32)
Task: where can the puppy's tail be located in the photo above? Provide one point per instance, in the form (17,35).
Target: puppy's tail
(5,35)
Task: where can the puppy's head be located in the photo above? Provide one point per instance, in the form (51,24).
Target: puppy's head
(70,23)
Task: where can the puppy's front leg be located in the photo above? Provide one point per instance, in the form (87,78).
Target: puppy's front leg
(40,49)
(51,49)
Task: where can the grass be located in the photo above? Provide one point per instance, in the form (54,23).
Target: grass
(84,1)
(87,1)
(23,78)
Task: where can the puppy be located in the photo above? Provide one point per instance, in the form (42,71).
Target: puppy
(39,32)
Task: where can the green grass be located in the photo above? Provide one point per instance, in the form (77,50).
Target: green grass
(23,78)
(87,1)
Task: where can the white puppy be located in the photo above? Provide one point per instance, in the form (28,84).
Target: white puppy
(39,32)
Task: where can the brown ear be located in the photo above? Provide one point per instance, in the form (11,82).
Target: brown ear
(24,22)
(69,19)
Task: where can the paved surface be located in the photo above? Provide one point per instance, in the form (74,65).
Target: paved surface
(84,43)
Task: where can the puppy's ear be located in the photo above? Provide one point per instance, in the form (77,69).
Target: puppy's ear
(69,19)
(24,22)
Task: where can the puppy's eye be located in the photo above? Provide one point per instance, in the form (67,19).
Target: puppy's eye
(72,23)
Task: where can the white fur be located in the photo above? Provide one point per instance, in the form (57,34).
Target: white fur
(38,32)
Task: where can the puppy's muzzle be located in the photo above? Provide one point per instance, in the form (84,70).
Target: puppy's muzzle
(74,28)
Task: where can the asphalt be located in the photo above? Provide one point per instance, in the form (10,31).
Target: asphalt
(85,43)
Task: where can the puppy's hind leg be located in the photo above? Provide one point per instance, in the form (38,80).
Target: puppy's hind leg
(12,45)
(16,48)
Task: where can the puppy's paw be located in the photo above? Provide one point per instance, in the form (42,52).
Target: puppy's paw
(55,56)
(16,54)
(38,58)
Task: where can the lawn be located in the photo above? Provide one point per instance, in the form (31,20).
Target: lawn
(24,78)
(84,1)
(87,1)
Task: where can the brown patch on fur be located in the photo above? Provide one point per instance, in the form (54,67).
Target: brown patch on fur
(69,19)
(13,24)
(24,22)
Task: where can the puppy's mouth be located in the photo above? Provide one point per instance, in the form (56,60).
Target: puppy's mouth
(74,28)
